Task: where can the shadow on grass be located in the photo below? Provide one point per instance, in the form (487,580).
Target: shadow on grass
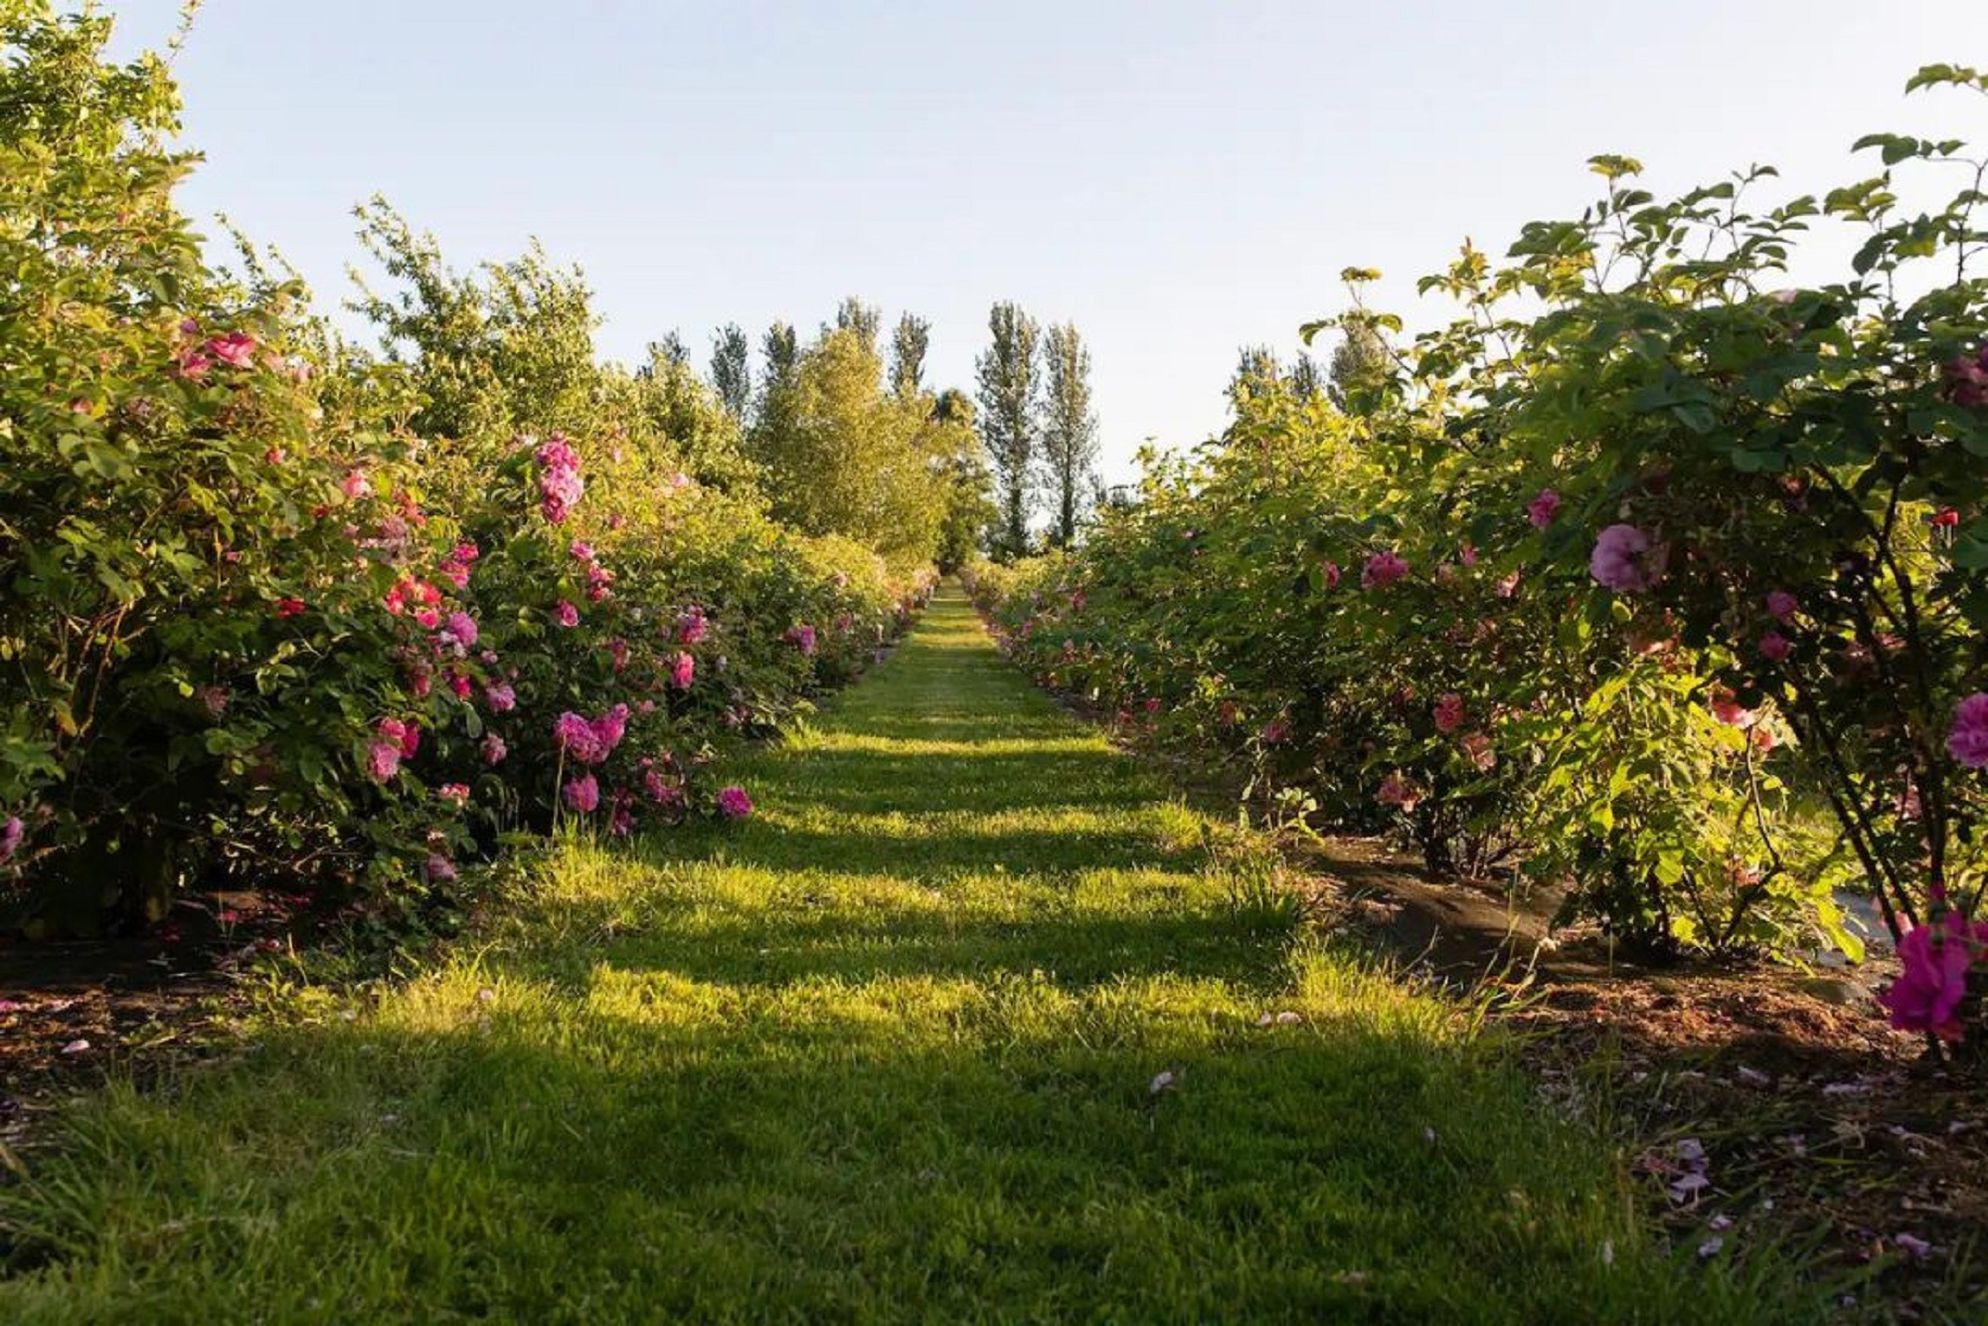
(1244,947)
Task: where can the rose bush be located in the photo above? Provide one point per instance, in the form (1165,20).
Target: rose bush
(1615,578)
(254,625)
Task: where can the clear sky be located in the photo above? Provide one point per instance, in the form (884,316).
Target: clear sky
(1176,178)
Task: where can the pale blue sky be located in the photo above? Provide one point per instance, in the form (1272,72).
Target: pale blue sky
(1176,178)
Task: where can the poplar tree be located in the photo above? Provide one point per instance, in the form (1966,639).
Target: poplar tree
(731,373)
(907,354)
(1069,428)
(1008,390)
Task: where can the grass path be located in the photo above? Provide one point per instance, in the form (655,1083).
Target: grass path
(884,1053)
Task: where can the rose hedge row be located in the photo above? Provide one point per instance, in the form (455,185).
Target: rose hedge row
(252,627)
(1649,572)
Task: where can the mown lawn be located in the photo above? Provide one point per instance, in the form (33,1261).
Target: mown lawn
(884,1053)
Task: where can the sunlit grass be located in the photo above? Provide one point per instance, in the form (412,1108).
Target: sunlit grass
(885,1053)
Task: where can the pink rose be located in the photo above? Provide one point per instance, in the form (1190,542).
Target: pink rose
(236,349)
(1383,569)
(1929,990)
(582,794)
(383,759)
(1967,739)
(1618,559)
(733,803)
(1543,508)
(1396,791)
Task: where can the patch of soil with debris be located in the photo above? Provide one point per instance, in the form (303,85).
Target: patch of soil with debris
(1765,1108)
(74,1012)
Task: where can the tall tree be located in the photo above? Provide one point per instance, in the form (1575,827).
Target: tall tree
(866,320)
(775,413)
(1008,380)
(1069,428)
(1304,377)
(670,348)
(731,371)
(907,354)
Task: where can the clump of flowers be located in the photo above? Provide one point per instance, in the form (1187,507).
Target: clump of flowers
(590,740)
(560,486)
(802,637)
(733,803)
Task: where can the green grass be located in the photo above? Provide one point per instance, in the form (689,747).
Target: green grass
(884,1053)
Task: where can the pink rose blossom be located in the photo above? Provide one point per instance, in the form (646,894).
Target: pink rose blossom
(1543,508)
(1774,647)
(1967,379)
(11,834)
(461,629)
(1449,712)
(1396,791)
(406,736)
(1332,574)
(1967,740)
(494,749)
(683,670)
(440,869)
(691,626)
(236,349)
(457,793)
(1617,561)
(356,485)
(1383,569)
(501,698)
(661,789)
(733,803)
(383,759)
(1727,709)
(1478,750)
(1781,605)
(582,794)
(802,637)
(1929,990)
(566,614)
